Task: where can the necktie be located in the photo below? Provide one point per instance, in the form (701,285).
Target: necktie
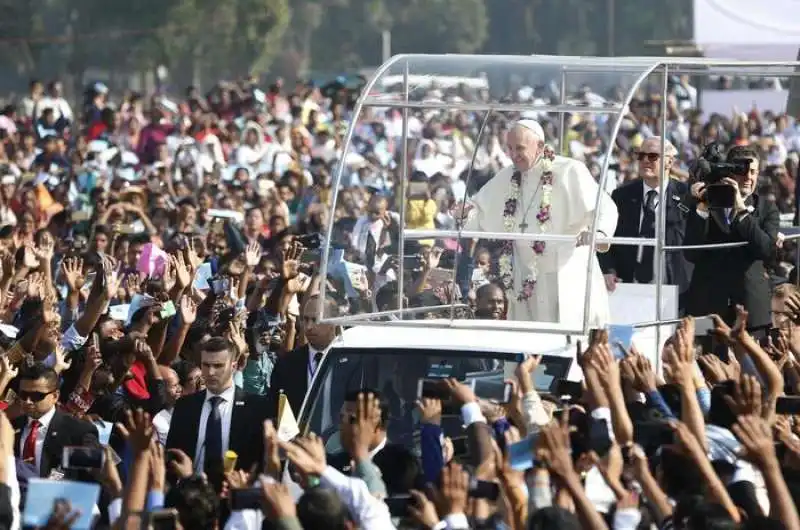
(213,453)
(29,449)
(317,360)
(644,269)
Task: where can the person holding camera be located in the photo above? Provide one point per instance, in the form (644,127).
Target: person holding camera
(728,210)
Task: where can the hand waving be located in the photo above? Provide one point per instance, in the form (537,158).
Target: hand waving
(756,438)
(188,310)
(252,255)
(365,423)
(72,271)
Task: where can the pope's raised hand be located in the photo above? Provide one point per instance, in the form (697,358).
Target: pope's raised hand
(461,210)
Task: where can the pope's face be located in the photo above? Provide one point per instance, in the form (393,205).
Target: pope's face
(523,148)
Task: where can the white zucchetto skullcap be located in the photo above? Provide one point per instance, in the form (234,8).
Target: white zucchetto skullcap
(533,126)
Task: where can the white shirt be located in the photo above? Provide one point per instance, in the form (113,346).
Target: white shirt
(44,425)
(226,414)
(368,512)
(161,423)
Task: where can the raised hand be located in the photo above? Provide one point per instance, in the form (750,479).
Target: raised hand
(461,393)
(192,259)
(306,463)
(430,410)
(554,448)
(63,517)
(290,261)
(158,469)
(362,429)
(747,397)
(431,261)
(756,438)
(183,272)
(44,252)
(272,460)
(132,285)
(423,510)
(188,310)
(604,364)
(62,364)
(236,337)
(180,463)
(278,501)
(454,489)
(252,255)
(113,281)
(644,378)
(72,271)
(9,265)
(524,370)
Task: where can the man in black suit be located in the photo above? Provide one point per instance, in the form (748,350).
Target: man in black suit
(637,203)
(726,277)
(43,431)
(294,370)
(223,417)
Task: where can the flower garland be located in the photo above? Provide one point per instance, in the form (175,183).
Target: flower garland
(506,258)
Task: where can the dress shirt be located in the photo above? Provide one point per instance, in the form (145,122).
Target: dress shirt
(226,413)
(161,423)
(369,512)
(44,425)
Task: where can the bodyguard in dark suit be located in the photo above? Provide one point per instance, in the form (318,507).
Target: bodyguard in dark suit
(221,418)
(724,278)
(294,370)
(637,203)
(42,433)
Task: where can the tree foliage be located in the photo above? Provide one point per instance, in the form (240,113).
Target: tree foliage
(208,39)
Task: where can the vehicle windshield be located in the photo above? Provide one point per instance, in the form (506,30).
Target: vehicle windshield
(395,374)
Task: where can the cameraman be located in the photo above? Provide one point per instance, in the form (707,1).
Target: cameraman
(726,277)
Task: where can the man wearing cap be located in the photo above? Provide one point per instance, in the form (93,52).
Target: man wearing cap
(545,281)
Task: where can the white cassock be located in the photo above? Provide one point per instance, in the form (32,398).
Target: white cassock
(560,288)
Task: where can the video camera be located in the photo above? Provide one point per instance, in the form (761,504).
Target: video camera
(711,168)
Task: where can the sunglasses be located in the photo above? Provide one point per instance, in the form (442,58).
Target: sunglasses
(33,397)
(651,157)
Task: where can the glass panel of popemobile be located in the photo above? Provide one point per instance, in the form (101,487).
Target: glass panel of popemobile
(395,227)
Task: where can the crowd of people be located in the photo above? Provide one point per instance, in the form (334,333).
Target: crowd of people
(159,300)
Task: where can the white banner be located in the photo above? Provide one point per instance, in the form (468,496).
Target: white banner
(723,101)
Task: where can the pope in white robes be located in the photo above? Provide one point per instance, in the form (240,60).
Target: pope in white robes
(545,281)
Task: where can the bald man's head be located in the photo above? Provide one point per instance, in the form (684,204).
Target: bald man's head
(172,383)
(650,159)
(524,147)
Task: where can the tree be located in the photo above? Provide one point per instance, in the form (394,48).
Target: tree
(438,26)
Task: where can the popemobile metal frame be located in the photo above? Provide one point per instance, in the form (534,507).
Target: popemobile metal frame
(639,68)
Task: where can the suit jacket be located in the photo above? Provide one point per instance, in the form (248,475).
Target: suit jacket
(726,277)
(246,433)
(64,430)
(621,259)
(289,376)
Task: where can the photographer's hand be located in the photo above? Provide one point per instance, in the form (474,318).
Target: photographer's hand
(738,205)
(698,191)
